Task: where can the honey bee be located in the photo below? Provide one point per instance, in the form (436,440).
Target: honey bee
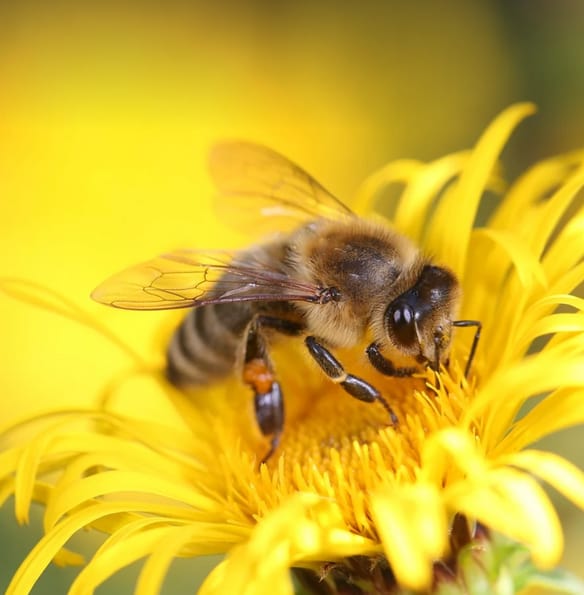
(334,280)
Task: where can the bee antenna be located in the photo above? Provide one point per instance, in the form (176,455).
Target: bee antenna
(437,352)
(475,340)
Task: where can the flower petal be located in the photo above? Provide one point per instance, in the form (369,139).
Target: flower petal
(48,299)
(562,409)
(515,505)
(498,402)
(422,190)
(553,469)
(48,547)
(567,248)
(395,172)
(412,524)
(457,211)
(554,209)
(527,267)
(532,187)
(305,527)
(116,482)
(133,542)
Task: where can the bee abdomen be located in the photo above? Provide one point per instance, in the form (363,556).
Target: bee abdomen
(204,347)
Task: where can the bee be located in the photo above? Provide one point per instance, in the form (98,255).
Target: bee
(334,280)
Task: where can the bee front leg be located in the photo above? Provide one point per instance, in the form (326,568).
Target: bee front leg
(383,365)
(355,386)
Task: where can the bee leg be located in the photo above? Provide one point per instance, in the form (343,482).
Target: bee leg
(355,386)
(475,340)
(286,327)
(258,373)
(269,411)
(383,365)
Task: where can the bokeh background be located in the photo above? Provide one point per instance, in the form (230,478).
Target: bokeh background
(107,110)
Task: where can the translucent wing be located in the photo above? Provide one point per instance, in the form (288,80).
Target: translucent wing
(256,182)
(192,278)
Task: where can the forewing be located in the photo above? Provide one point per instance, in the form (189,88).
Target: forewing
(258,186)
(192,278)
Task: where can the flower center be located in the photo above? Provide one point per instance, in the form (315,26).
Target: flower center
(333,444)
(337,427)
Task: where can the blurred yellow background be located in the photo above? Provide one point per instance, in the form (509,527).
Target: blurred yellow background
(107,111)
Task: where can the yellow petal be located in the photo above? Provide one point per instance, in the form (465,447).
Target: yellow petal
(554,209)
(422,189)
(554,324)
(302,528)
(48,547)
(449,450)
(547,305)
(562,409)
(413,528)
(535,375)
(514,504)
(28,465)
(457,211)
(8,463)
(218,582)
(532,187)
(566,250)
(553,469)
(139,540)
(116,482)
(398,171)
(48,299)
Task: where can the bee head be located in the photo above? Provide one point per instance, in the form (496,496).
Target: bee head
(418,323)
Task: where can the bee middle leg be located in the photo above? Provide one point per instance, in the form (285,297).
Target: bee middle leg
(355,386)
(258,373)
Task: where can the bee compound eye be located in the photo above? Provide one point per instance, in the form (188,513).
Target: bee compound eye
(403,315)
(400,325)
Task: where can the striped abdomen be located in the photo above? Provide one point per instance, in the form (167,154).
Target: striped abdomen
(211,339)
(205,346)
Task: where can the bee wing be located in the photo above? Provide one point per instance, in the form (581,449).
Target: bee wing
(192,278)
(256,182)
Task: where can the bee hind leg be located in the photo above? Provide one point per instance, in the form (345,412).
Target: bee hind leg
(269,411)
(258,373)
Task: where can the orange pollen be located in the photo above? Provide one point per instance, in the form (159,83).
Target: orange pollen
(257,374)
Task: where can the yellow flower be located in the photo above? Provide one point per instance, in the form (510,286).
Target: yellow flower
(346,493)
